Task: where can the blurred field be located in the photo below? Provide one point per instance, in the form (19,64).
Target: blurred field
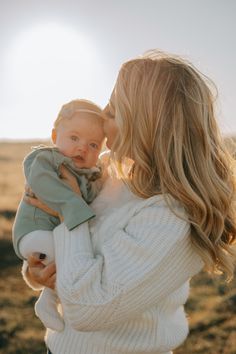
(211,307)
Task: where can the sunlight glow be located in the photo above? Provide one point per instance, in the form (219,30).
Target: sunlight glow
(46,66)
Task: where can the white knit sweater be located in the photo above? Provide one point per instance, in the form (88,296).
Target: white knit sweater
(123,279)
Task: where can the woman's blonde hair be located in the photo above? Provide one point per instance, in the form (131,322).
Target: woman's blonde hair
(78,105)
(166,123)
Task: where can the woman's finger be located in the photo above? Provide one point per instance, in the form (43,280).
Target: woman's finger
(70,179)
(38,204)
(64,172)
(28,191)
(51,282)
(40,273)
(32,200)
(46,276)
(49,270)
(35,260)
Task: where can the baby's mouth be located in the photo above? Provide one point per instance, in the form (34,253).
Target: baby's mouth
(78,158)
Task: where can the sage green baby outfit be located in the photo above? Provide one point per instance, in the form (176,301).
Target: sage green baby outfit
(42,173)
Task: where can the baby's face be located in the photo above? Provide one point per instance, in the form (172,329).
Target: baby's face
(80,138)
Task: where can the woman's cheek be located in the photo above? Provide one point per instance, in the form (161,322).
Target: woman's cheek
(108,144)
(111,131)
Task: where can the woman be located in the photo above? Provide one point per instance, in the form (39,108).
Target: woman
(123,278)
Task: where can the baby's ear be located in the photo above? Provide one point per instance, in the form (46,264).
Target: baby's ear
(54,135)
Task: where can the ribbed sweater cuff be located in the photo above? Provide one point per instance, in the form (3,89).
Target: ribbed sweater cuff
(71,244)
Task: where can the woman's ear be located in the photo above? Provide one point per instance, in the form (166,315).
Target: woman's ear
(54,135)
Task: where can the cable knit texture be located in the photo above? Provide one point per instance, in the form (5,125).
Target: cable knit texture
(123,277)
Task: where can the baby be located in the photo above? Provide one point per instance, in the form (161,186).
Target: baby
(78,137)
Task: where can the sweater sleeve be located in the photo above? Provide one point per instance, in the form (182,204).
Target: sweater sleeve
(43,179)
(138,267)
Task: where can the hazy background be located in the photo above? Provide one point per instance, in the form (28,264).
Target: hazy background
(55,50)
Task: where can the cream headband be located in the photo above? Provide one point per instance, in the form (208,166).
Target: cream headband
(69,112)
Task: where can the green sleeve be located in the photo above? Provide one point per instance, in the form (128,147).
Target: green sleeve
(42,176)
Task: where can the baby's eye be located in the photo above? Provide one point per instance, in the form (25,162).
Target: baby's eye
(74,138)
(94,145)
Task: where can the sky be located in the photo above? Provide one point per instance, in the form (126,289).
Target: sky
(53,51)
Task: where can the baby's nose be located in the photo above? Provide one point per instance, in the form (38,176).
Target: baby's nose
(82,146)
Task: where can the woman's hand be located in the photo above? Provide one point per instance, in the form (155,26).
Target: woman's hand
(67,177)
(70,179)
(31,199)
(39,273)
(37,203)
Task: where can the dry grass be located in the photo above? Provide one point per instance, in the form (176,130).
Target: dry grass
(20,330)
(211,307)
(11,177)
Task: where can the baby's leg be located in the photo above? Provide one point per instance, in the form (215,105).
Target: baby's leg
(39,241)
(46,306)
